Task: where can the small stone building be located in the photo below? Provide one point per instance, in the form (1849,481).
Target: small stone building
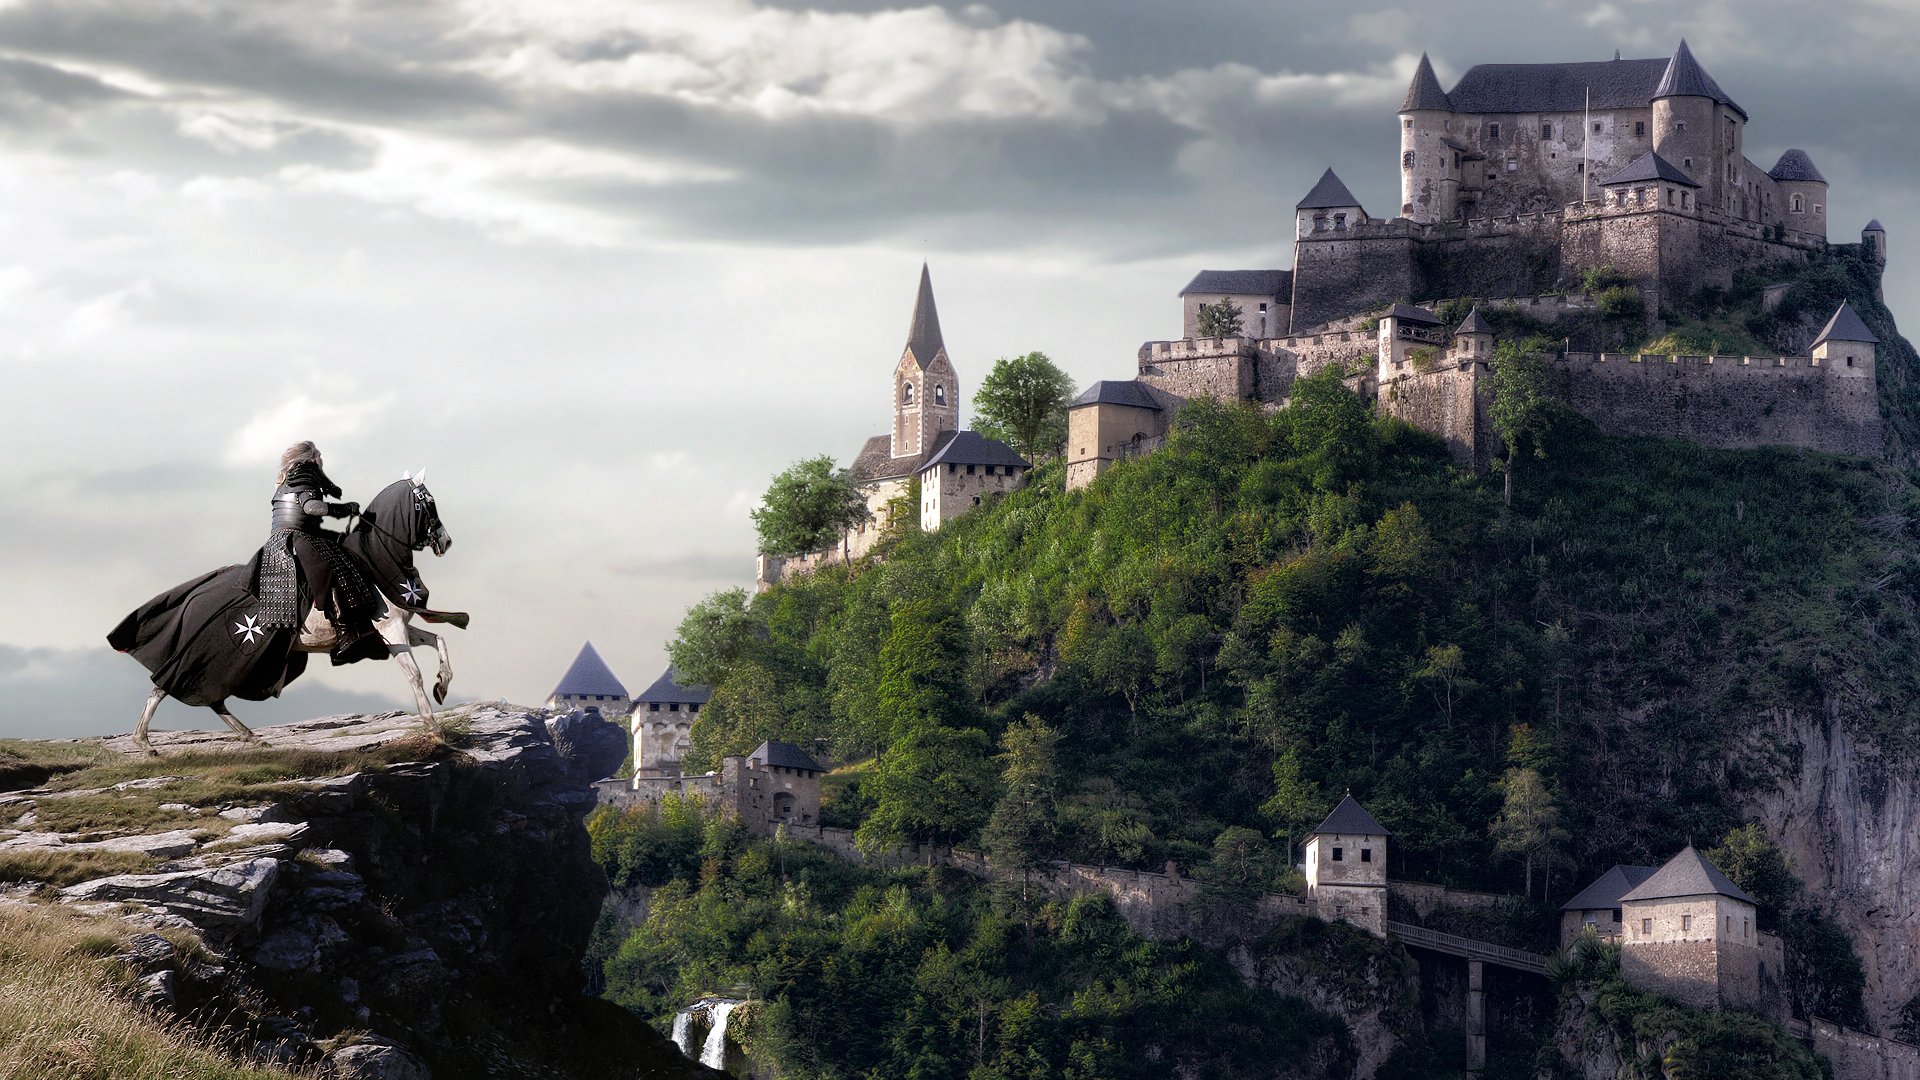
(1346,861)
(1689,933)
(590,684)
(663,717)
(1596,908)
(965,470)
(777,784)
(1264,298)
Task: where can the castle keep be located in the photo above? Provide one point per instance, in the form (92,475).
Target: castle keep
(1513,186)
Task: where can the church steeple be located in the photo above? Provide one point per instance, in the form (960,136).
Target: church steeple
(923,333)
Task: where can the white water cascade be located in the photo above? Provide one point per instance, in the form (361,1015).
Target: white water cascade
(683,1031)
(714,1053)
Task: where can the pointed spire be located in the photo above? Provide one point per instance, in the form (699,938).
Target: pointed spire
(1846,326)
(1685,77)
(589,676)
(923,333)
(1425,92)
(1328,192)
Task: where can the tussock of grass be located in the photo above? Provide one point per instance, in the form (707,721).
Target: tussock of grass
(115,814)
(25,764)
(59,868)
(61,1017)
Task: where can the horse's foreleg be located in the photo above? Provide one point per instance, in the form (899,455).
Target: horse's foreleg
(146,719)
(417,636)
(393,630)
(220,709)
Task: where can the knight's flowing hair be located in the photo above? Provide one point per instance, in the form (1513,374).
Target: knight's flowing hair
(295,454)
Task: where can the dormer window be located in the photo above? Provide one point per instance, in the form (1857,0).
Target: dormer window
(906,394)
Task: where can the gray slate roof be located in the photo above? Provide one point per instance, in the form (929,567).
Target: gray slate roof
(1874,226)
(1649,166)
(1795,165)
(589,675)
(923,331)
(1686,874)
(786,755)
(1685,77)
(1409,313)
(1275,283)
(1425,92)
(1608,888)
(1352,819)
(1846,326)
(1533,88)
(1474,324)
(875,461)
(971,448)
(667,688)
(1327,192)
(1116,392)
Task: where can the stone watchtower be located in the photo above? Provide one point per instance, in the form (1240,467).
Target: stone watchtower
(1347,868)
(1429,156)
(926,390)
(1689,933)
(1803,190)
(1845,346)
(1697,127)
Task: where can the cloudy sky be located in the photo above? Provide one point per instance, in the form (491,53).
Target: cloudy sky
(605,266)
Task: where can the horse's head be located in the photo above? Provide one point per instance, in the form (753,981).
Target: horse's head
(428,530)
(405,511)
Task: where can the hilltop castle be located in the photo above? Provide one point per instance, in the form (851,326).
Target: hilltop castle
(1513,185)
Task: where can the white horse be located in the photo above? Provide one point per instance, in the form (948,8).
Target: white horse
(400,520)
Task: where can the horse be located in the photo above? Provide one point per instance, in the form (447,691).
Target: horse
(202,643)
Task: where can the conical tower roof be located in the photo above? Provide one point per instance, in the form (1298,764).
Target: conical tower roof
(1328,192)
(589,676)
(923,333)
(1795,164)
(1874,226)
(1425,93)
(1686,874)
(1685,77)
(1846,326)
(1351,819)
(1474,324)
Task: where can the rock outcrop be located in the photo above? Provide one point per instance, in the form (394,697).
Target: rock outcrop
(422,916)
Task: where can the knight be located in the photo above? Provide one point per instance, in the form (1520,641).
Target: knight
(303,563)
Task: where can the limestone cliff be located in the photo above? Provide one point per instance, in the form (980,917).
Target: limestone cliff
(371,903)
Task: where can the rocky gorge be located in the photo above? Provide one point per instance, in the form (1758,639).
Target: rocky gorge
(348,897)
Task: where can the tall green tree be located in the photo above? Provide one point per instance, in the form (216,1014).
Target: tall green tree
(1023,403)
(1750,858)
(1020,835)
(714,634)
(935,786)
(1296,804)
(808,507)
(1522,409)
(1529,822)
(1220,319)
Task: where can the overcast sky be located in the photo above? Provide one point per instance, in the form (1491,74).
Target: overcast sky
(605,266)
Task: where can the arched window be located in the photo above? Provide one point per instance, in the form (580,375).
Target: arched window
(939,393)
(1796,204)
(906,394)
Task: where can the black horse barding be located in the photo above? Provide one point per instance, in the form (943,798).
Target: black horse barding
(203,642)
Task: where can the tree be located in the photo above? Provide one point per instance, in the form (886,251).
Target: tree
(1023,403)
(1296,804)
(1522,409)
(932,787)
(1019,837)
(807,506)
(1751,860)
(1220,319)
(1529,822)
(713,634)
(1242,867)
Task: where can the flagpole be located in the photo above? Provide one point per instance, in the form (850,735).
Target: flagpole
(1586,143)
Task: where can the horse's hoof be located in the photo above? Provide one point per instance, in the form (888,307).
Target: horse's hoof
(439,693)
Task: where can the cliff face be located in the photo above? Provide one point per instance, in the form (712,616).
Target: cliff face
(1849,818)
(423,914)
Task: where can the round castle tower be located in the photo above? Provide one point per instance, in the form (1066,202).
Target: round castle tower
(1803,193)
(1687,129)
(1429,166)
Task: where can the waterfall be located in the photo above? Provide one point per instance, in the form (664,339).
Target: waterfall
(683,1031)
(714,1053)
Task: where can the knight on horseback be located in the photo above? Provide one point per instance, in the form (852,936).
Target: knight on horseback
(299,552)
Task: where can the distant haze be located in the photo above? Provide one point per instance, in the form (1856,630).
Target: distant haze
(604,267)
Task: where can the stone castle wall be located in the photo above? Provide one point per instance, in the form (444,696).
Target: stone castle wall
(1727,402)
(1857,1055)
(1452,401)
